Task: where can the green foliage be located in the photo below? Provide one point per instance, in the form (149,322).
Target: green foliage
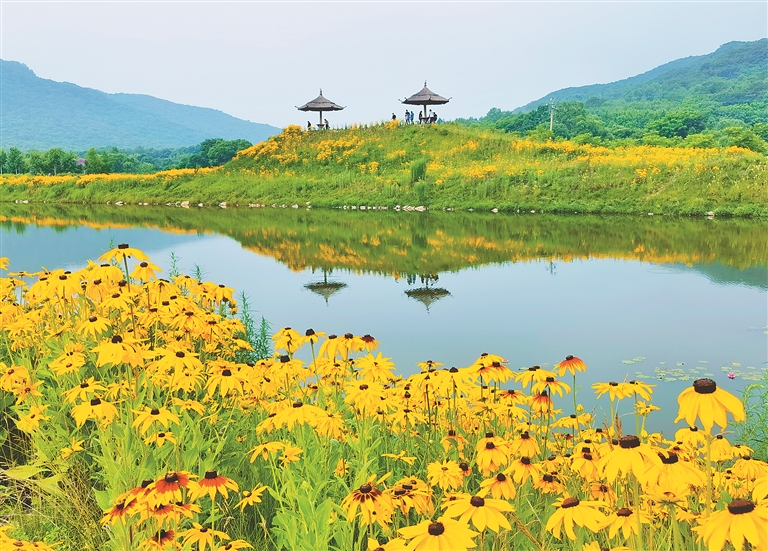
(418,170)
(257,337)
(751,431)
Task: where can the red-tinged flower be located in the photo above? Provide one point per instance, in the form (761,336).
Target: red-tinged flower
(571,364)
(168,488)
(210,484)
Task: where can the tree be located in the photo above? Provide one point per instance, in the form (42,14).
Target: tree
(679,123)
(3,160)
(15,164)
(96,163)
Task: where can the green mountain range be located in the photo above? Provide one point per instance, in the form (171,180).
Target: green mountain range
(712,100)
(37,113)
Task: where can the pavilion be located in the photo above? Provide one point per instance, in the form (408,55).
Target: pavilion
(320,104)
(426,97)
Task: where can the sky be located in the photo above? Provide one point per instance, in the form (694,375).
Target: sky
(258,60)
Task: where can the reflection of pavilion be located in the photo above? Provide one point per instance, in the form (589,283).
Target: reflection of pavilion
(325,288)
(427,295)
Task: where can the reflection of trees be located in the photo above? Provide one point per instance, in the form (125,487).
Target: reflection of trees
(404,244)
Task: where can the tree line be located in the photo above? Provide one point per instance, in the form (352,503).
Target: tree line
(54,161)
(685,124)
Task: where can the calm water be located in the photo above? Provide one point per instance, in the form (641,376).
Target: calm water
(667,299)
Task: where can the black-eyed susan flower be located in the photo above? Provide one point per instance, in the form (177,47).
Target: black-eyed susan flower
(290,454)
(453,438)
(369,503)
(708,403)
(630,456)
(145,271)
(147,416)
(522,470)
(641,389)
(571,364)
(202,536)
(75,446)
(97,409)
(492,453)
(122,251)
(549,484)
(251,497)
(210,484)
(447,475)
(481,511)
(551,385)
(159,541)
(234,545)
(532,375)
(501,487)
(615,391)
(741,521)
(572,511)
(444,533)
(524,445)
(168,488)
(31,421)
(160,438)
(626,520)
(402,456)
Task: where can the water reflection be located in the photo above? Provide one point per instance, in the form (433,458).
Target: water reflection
(406,245)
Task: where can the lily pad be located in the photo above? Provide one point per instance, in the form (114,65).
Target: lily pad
(679,364)
(703,362)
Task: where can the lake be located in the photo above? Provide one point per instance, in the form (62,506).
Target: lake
(658,298)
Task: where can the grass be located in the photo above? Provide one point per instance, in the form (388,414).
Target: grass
(441,166)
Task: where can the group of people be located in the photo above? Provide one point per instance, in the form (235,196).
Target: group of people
(321,126)
(430,119)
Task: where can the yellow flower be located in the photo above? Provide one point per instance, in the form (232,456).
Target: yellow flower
(626,521)
(447,474)
(145,271)
(740,521)
(76,446)
(483,512)
(709,404)
(147,416)
(120,252)
(202,536)
(400,457)
(251,497)
(31,421)
(570,511)
(97,409)
(443,533)
(370,503)
(211,483)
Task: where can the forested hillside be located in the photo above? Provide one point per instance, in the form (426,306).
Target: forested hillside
(716,99)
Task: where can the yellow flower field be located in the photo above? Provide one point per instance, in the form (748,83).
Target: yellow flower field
(140,418)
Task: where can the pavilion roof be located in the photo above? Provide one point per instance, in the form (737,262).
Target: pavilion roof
(320,103)
(426,97)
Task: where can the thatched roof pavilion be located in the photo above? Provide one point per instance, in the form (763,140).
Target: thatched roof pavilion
(321,104)
(426,97)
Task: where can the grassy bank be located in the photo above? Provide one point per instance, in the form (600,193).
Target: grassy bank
(443,166)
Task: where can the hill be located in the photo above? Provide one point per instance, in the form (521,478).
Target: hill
(736,73)
(722,97)
(38,113)
(438,166)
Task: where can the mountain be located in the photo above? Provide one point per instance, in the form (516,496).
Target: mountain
(736,73)
(37,113)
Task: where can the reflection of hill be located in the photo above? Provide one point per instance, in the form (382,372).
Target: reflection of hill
(754,276)
(405,244)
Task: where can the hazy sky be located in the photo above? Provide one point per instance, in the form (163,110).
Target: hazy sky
(258,60)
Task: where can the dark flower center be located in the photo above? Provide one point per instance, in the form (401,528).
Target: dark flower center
(363,387)
(587,456)
(464,466)
(550,379)
(548,478)
(569,357)
(143,264)
(436,528)
(297,404)
(704,386)
(210,475)
(122,246)
(92,319)
(366,489)
(671,460)
(117,339)
(477,501)
(740,506)
(84,384)
(489,435)
(623,512)
(629,442)
(226,373)
(154,411)
(95,402)
(453,370)
(309,332)
(569,502)
(399,492)
(451,432)
(170,478)
(489,445)
(613,383)
(525,460)
(180,354)
(501,477)
(348,335)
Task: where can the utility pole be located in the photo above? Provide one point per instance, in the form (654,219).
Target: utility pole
(551,114)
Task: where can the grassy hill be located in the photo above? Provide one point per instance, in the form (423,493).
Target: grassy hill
(441,166)
(37,113)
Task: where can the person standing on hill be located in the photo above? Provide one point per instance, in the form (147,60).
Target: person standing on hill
(411,117)
(309,125)
(407,116)
(394,117)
